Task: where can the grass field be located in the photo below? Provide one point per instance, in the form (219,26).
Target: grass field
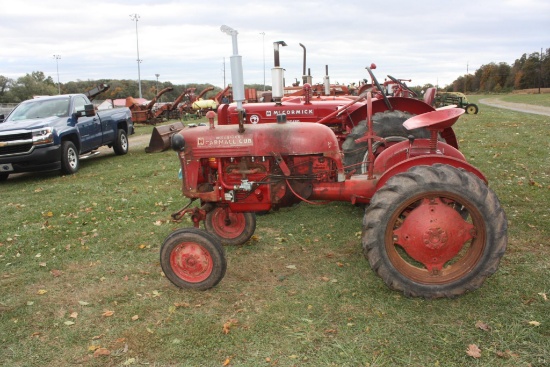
(81,284)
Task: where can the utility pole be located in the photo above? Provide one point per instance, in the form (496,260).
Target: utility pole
(263,47)
(540,68)
(157,75)
(57,57)
(135,17)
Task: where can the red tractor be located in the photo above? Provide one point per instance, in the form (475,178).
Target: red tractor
(432,227)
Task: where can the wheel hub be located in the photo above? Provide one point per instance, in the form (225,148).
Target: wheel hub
(191,262)
(433,233)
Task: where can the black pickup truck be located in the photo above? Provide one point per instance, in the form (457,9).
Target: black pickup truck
(50,133)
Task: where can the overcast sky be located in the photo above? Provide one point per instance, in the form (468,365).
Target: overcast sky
(426,41)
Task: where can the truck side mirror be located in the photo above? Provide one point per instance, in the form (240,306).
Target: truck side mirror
(2,117)
(89,110)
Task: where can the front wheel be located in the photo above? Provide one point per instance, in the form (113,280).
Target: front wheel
(193,259)
(471,109)
(230,228)
(70,161)
(434,231)
(4,176)
(121,144)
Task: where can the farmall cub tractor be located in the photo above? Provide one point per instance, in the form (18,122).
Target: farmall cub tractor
(432,227)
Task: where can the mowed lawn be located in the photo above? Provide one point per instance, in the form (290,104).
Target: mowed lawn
(81,284)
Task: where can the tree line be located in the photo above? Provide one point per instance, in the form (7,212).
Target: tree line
(529,71)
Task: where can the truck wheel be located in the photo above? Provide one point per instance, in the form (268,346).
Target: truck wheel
(121,144)
(193,259)
(471,109)
(4,176)
(417,240)
(387,124)
(70,161)
(230,228)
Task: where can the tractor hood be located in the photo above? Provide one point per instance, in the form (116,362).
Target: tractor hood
(260,140)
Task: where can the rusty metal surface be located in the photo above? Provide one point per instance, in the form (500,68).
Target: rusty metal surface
(160,137)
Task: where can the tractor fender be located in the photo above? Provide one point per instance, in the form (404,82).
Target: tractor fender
(428,160)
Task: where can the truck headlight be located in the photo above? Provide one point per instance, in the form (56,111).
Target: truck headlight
(42,136)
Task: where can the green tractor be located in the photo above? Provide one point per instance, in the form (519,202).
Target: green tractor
(455,99)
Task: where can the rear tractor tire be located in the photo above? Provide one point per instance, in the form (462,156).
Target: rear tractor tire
(434,231)
(471,109)
(388,125)
(193,259)
(230,228)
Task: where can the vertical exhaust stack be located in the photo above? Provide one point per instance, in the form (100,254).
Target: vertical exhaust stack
(326,81)
(309,79)
(277,73)
(237,79)
(304,76)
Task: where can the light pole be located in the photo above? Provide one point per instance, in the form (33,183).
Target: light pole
(57,57)
(263,47)
(157,75)
(135,17)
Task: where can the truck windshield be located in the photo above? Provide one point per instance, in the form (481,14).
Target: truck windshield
(37,109)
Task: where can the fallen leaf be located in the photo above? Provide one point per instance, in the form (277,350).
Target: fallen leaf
(73,315)
(135,317)
(98,337)
(83,303)
(534,323)
(93,348)
(325,279)
(473,351)
(543,295)
(56,272)
(69,323)
(483,326)
(42,291)
(182,304)
(226,362)
(229,323)
(102,352)
(507,354)
(291,266)
(108,313)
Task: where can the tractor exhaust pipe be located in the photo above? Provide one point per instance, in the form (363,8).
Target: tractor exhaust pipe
(277,74)
(236,76)
(326,81)
(304,76)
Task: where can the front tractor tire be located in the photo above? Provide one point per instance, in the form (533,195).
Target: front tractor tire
(434,231)
(193,259)
(231,229)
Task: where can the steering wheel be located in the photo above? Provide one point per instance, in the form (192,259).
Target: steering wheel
(386,100)
(403,85)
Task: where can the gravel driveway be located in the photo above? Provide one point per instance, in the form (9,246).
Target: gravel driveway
(520,107)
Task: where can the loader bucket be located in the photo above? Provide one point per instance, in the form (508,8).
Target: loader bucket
(160,138)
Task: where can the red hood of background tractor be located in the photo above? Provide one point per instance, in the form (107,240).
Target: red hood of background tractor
(294,109)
